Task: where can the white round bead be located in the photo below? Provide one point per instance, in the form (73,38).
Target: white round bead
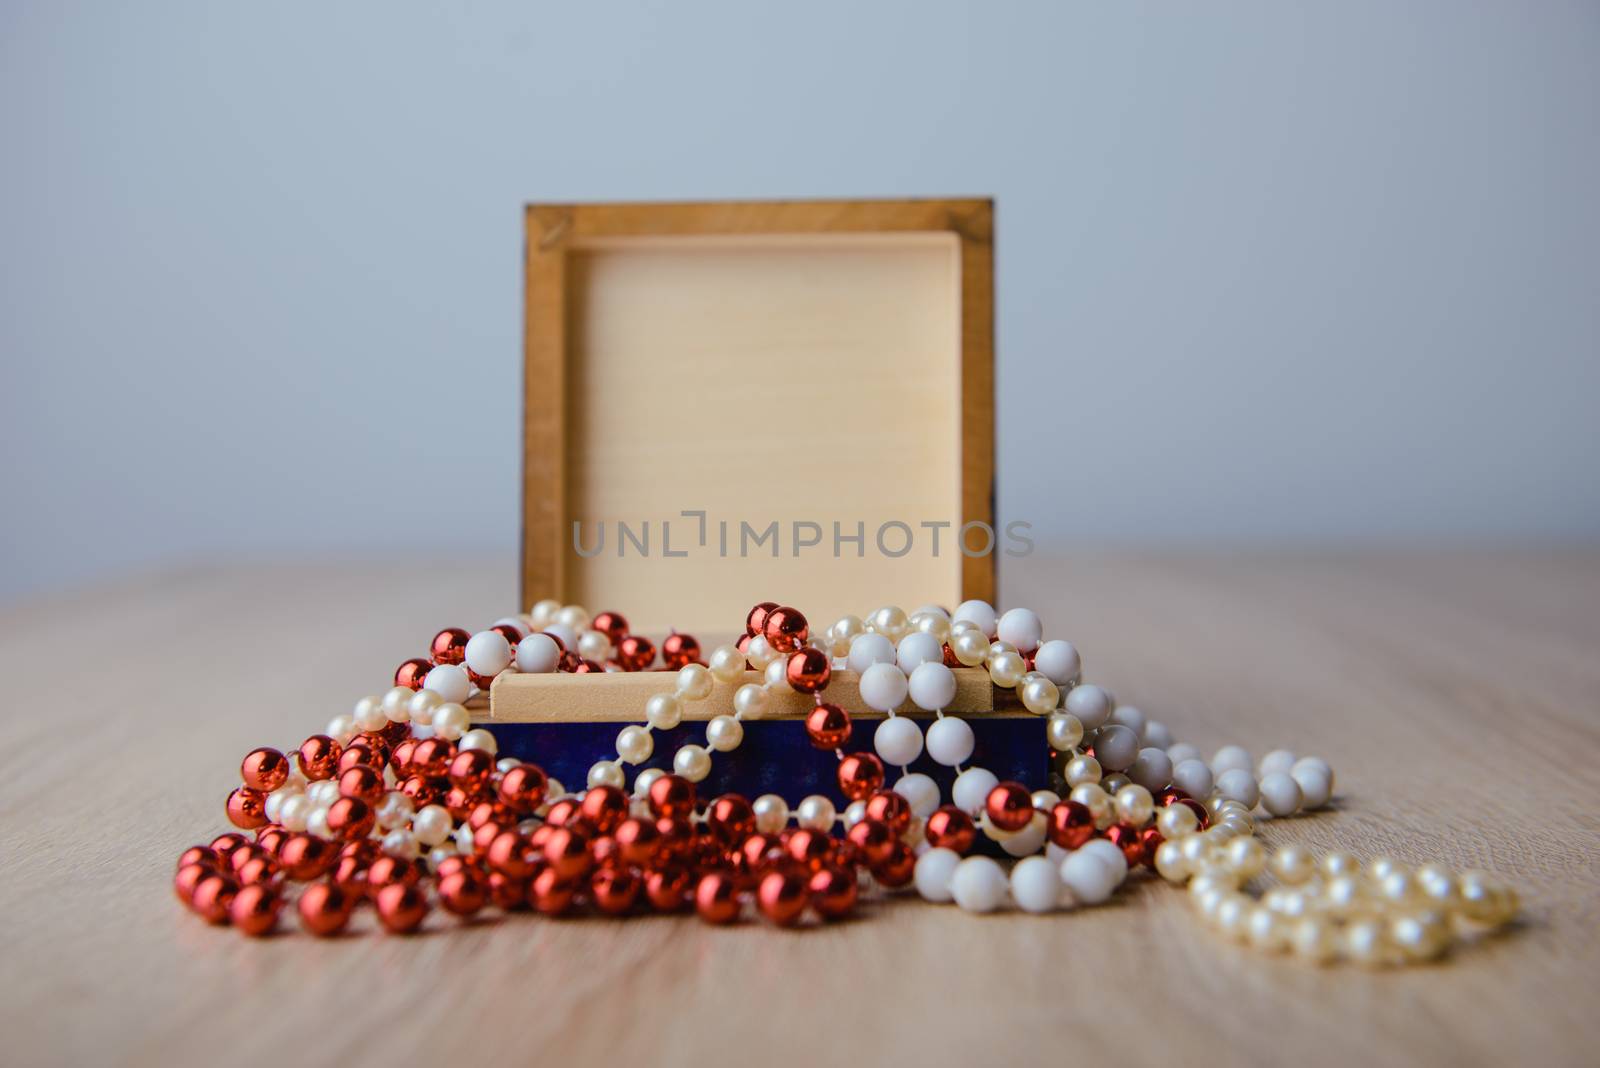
(1316,785)
(883,687)
(934,872)
(1279,760)
(932,687)
(950,741)
(634,744)
(1027,841)
(1130,718)
(692,762)
(1193,777)
(918,648)
(1231,757)
(816,813)
(724,733)
(488,652)
(868,649)
(1116,747)
(1035,885)
(1110,855)
(971,789)
(1020,627)
(1314,763)
(1091,704)
(450,682)
(772,813)
(1058,661)
(1088,877)
(1280,794)
(1239,784)
(920,792)
(1153,769)
(565,635)
(979,613)
(1181,751)
(978,884)
(1157,734)
(898,741)
(516,623)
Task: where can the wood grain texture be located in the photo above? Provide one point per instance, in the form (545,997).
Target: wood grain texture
(873,321)
(1458,696)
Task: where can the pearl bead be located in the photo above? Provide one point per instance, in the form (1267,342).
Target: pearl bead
(724,733)
(1177,821)
(1089,878)
(816,813)
(1280,794)
(978,884)
(644,780)
(488,653)
(931,622)
(451,721)
(1021,628)
(776,678)
(1063,731)
(898,741)
(544,612)
(478,739)
(918,648)
(369,715)
(1114,782)
(883,687)
(1135,805)
(950,741)
(397,703)
(727,664)
(692,763)
(979,613)
(1091,704)
(1082,769)
(759,652)
(1293,864)
(1238,784)
(920,792)
(846,629)
(1339,863)
(1040,696)
(663,711)
(343,728)
(694,682)
(750,700)
(1006,669)
(1245,857)
(450,682)
(1152,770)
(634,744)
(932,687)
(772,813)
(934,873)
(970,647)
(971,789)
(869,649)
(432,825)
(421,706)
(606,773)
(1230,758)
(1035,885)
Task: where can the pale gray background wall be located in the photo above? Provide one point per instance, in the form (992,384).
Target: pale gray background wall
(1270,273)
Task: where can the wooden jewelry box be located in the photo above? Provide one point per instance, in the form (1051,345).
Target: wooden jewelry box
(733,402)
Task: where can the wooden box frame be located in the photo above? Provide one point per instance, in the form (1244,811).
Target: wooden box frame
(557,233)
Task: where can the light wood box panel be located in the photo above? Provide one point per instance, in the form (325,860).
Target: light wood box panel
(814,362)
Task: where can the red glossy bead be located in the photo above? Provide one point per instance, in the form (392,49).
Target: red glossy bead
(873,838)
(566,851)
(264,769)
(808,848)
(361,781)
(1071,824)
(187,878)
(731,817)
(319,757)
(785,629)
(638,842)
(678,839)
(636,653)
(1199,810)
(350,875)
(679,651)
(950,658)
(459,863)
(1009,806)
(255,909)
(511,634)
(550,893)
(490,812)
(259,871)
(896,871)
(523,788)
(667,888)
(471,767)
(350,817)
(389,869)
(413,673)
(781,897)
(859,775)
(401,907)
(247,808)
(324,909)
(507,892)
(361,753)
(1125,836)
(462,802)
(833,891)
(306,857)
(891,809)
(271,838)
(604,808)
(716,897)
(1149,841)
(562,812)
(756,621)
(213,894)
(828,726)
(511,854)
(199,855)
(391,735)
(462,892)
(614,890)
(432,757)
(672,797)
(400,757)
(424,790)
(243,855)
(808,670)
(449,646)
(612,625)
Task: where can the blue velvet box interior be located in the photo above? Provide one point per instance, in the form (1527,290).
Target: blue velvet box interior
(776,756)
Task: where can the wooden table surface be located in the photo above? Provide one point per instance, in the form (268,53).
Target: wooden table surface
(1457,696)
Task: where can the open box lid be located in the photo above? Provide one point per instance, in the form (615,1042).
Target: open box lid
(719,397)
